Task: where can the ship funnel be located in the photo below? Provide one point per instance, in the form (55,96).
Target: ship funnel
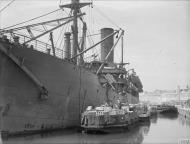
(107,44)
(75,1)
(67,49)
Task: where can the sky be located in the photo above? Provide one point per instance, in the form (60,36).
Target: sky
(157,34)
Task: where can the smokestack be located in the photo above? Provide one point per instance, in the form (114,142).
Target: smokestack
(75,1)
(67,49)
(107,44)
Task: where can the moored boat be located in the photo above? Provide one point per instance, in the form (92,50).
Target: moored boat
(110,119)
(107,119)
(144,116)
(166,108)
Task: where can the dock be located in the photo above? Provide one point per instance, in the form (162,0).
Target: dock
(184,111)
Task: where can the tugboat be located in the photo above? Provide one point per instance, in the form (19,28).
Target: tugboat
(145,115)
(108,119)
(105,119)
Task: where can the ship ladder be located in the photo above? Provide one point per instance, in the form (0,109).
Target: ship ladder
(110,79)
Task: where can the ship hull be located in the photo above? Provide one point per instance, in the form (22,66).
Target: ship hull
(70,90)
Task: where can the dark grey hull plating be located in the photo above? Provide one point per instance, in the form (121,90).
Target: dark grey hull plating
(70,90)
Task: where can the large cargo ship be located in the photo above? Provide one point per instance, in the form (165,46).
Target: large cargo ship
(44,88)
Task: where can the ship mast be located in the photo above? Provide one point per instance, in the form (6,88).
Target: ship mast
(75,29)
(75,8)
(122,50)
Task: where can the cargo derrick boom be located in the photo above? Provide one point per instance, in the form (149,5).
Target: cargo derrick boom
(42,87)
(28,28)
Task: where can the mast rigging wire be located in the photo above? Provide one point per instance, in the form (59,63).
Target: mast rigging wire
(102,14)
(61,43)
(6,6)
(59,35)
(31,19)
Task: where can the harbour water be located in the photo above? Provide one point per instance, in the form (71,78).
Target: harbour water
(167,128)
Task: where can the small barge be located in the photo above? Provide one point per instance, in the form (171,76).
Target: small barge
(110,119)
(166,108)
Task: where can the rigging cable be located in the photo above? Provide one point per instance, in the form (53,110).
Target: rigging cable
(102,14)
(59,35)
(61,41)
(31,19)
(7,6)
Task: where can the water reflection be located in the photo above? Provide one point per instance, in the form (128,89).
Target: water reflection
(171,116)
(134,134)
(163,128)
(154,119)
(184,121)
(167,128)
(0,139)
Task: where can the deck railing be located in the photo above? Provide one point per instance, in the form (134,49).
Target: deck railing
(38,45)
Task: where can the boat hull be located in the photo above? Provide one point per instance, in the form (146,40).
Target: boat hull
(144,118)
(70,90)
